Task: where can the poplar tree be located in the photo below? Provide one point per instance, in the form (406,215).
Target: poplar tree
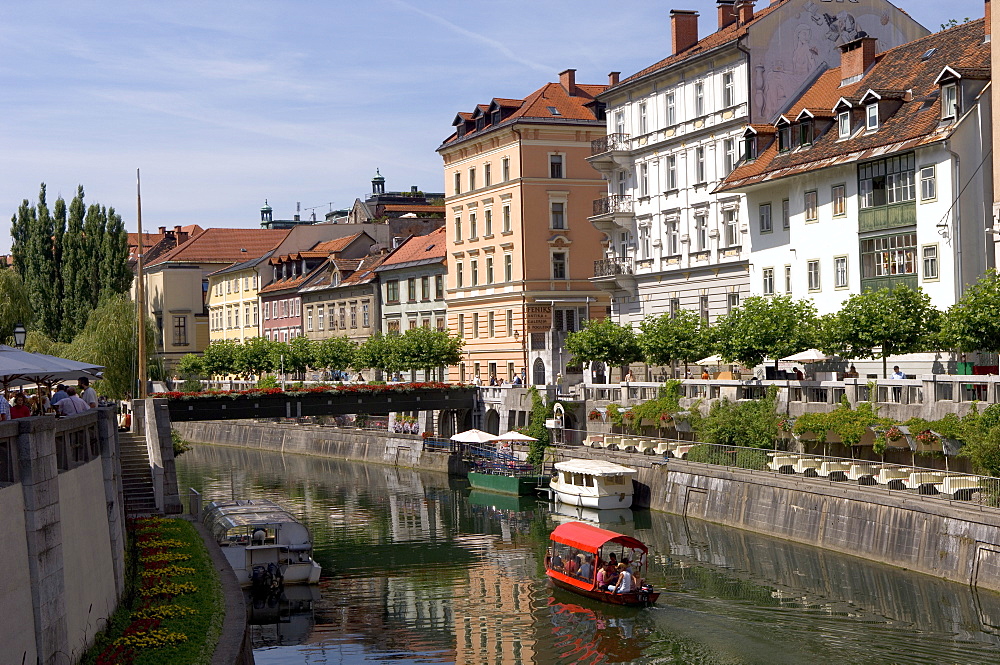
(115,274)
(58,231)
(76,305)
(41,280)
(93,233)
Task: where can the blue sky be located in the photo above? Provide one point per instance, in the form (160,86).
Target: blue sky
(224,104)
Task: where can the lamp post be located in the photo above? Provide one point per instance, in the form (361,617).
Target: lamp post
(20,335)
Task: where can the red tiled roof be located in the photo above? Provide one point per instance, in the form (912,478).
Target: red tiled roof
(222,245)
(419,248)
(916,122)
(365,272)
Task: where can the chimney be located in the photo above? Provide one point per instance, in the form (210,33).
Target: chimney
(613,78)
(182,236)
(856,57)
(567,79)
(683,29)
(163,230)
(177,230)
(744,11)
(727,13)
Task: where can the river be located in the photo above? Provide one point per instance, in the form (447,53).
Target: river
(418,569)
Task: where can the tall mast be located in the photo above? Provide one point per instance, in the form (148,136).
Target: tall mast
(140,294)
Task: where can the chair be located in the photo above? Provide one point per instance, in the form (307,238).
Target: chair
(646,446)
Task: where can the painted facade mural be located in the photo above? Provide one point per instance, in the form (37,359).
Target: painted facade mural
(799,40)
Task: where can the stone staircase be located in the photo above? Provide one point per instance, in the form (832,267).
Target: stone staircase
(137,479)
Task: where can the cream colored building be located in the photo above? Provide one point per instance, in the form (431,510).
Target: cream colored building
(233,304)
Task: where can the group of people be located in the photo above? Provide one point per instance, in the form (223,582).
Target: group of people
(517,381)
(612,575)
(65,401)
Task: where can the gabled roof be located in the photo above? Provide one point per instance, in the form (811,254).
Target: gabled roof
(417,250)
(916,121)
(222,245)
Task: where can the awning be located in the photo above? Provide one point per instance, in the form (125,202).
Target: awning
(590,538)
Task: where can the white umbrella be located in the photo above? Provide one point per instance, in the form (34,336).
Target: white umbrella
(474,436)
(515,436)
(20,367)
(711,360)
(807,356)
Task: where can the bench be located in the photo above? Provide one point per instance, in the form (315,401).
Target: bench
(959,487)
(834,470)
(924,481)
(662,447)
(893,477)
(646,446)
(782,463)
(628,445)
(612,441)
(808,465)
(680,451)
(863,472)
(594,441)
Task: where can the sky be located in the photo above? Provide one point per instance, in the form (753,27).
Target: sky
(222,105)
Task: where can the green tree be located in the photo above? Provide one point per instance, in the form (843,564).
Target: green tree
(878,324)
(540,411)
(93,235)
(75,266)
(299,354)
(58,231)
(115,274)
(15,302)
(255,356)
(683,337)
(766,327)
(752,423)
(379,352)
(42,277)
(20,233)
(973,323)
(605,341)
(190,369)
(422,348)
(219,358)
(336,353)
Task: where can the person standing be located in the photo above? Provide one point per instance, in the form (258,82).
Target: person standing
(58,395)
(896,373)
(87,393)
(72,404)
(897,391)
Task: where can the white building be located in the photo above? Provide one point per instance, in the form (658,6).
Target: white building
(876,175)
(675,132)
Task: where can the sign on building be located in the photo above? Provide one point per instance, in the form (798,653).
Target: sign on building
(538,318)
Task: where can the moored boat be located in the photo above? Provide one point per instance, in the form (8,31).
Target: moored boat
(576,553)
(265,545)
(516,482)
(593,484)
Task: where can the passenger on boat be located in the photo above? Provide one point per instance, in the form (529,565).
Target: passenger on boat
(624,580)
(570,566)
(556,562)
(610,576)
(587,569)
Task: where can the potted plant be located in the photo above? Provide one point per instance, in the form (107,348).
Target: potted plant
(894,433)
(594,415)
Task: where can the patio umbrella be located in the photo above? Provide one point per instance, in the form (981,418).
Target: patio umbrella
(515,436)
(711,360)
(20,367)
(474,436)
(807,356)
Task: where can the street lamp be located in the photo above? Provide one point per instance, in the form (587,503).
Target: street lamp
(20,335)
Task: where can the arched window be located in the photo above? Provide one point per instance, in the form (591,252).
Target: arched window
(538,372)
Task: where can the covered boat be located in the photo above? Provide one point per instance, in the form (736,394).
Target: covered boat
(265,545)
(576,553)
(593,484)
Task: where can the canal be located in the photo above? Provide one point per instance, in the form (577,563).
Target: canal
(418,569)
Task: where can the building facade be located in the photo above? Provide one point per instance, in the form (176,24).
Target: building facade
(520,248)
(675,132)
(233,303)
(344,292)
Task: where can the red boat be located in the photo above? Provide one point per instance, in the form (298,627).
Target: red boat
(577,551)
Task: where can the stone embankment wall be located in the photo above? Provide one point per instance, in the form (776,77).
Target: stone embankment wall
(338,443)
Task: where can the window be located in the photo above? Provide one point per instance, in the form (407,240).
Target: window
(472,179)
(699,98)
(886,181)
(673,237)
(461,325)
(785,219)
(459,275)
(505,168)
(267,310)
(812,269)
(411,289)
(490,324)
(811,206)
(673,306)
(838,195)
(558,265)
(765,220)
(343,317)
(750,148)
(439,323)
(732,232)
(489,269)
(840,277)
(488,221)
(928,183)
(644,244)
(487,174)
(703,307)
(320,320)
(508,267)
(256,315)
(510,322)
(644,179)
(474,271)
(620,122)
(728,89)
(458,228)
(729,149)
(805,132)
(732,302)
(473,229)
(309,319)
(458,183)
(354,315)
(229,318)
(788,279)
(871,117)
(506,219)
(699,164)
(180,331)
(671,110)
(392,291)
(298,307)
(425,288)
(475,324)
(439,287)
(558,218)
(556,166)
(844,124)
(768,278)
(701,231)
(392,327)
(949,101)
(784,138)
(622,182)
(671,172)
(643,120)
(365,317)
(930,256)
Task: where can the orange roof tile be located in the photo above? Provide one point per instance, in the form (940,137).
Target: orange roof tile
(223,245)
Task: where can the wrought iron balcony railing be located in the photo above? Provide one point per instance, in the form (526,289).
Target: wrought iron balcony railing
(612,267)
(609,143)
(616,203)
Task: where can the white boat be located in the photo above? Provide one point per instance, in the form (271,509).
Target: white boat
(593,484)
(265,545)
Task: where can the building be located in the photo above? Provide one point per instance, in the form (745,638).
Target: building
(177,284)
(233,306)
(384,205)
(520,248)
(155,245)
(674,133)
(344,290)
(873,177)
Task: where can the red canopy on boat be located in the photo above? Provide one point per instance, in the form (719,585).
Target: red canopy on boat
(590,538)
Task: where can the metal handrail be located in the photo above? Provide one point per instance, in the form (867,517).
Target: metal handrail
(617,141)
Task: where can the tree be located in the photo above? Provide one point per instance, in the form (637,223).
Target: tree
(76,301)
(15,302)
(42,278)
(604,341)
(683,337)
(336,353)
(299,354)
(116,276)
(898,321)
(219,358)
(255,356)
(973,323)
(426,349)
(766,327)
(378,352)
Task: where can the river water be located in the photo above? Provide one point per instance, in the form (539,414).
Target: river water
(418,569)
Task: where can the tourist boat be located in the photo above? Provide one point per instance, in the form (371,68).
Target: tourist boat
(519,480)
(593,484)
(588,544)
(265,545)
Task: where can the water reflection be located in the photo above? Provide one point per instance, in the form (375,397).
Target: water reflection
(418,569)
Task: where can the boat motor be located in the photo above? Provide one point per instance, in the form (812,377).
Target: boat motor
(644,592)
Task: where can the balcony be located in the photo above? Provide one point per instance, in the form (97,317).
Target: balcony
(611,212)
(614,275)
(888,282)
(887,217)
(610,152)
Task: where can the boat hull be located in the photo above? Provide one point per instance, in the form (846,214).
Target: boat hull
(515,485)
(570,496)
(634,598)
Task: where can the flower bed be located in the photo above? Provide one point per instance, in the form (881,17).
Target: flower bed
(325,389)
(172,611)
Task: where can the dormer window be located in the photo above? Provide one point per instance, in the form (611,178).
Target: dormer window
(480,123)
(784,138)
(871,117)
(750,148)
(496,117)
(844,124)
(461,130)
(949,100)
(806,132)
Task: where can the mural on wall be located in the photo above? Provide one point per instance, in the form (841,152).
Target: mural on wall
(798,40)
